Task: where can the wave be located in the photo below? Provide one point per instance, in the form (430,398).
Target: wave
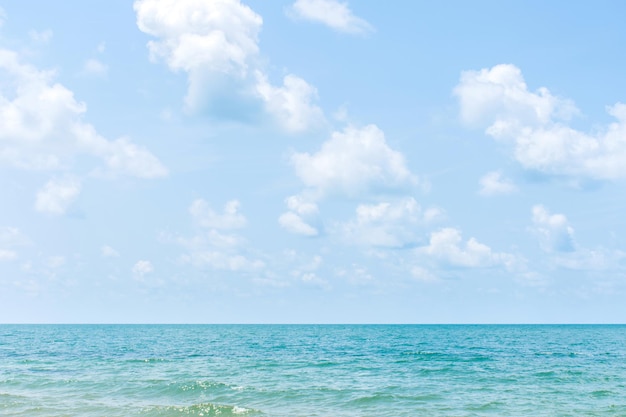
(202,409)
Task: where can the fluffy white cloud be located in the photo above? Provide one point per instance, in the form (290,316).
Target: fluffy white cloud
(352,162)
(57,195)
(554,232)
(447,247)
(95,67)
(41,126)
(300,208)
(216,44)
(535,123)
(331,13)
(493,183)
(291,104)
(199,35)
(387,224)
(294,223)
(142,268)
(204,215)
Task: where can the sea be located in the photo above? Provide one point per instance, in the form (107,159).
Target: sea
(312,370)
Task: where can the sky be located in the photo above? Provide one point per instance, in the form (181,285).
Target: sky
(312,161)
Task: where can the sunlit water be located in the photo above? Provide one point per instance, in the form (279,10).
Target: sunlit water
(344,370)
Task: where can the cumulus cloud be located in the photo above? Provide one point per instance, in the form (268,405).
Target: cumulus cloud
(41,127)
(331,13)
(553,230)
(493,183)
(205,216)
(387,224)
(447,247)
(535,123)
(353,162)
(57,195)
(216,44)
(291,104)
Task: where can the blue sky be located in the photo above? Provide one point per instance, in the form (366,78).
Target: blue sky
(312,161)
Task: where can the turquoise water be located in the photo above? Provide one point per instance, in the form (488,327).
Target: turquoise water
(310,370)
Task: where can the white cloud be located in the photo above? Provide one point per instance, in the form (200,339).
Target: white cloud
(41,126)
(108,252)
(12,236)
(294,223)
(353,162)
(535,124)
(204,215)
(331,13)
(142,268)
(493,183)
(447,247)
(7,255)
(301,205)
(599,259)
(291,104)
(553,230)
(216,44)
(387,224)
(57,195)
(212,248)
(201,37)
(95,67)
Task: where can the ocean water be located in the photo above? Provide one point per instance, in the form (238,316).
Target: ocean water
(312,370)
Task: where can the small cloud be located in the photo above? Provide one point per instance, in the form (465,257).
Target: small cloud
(293,223)
(493,183)
(292,104)
(7,255)
(204,215)
(353,162)
(142,268)
(554,232)
(95,67)
(108,252)
(392,224)
(101,47)
(331,13)
(447,246)
(57,195)
(40,37)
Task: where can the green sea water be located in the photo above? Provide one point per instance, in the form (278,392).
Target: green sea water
(312,370)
